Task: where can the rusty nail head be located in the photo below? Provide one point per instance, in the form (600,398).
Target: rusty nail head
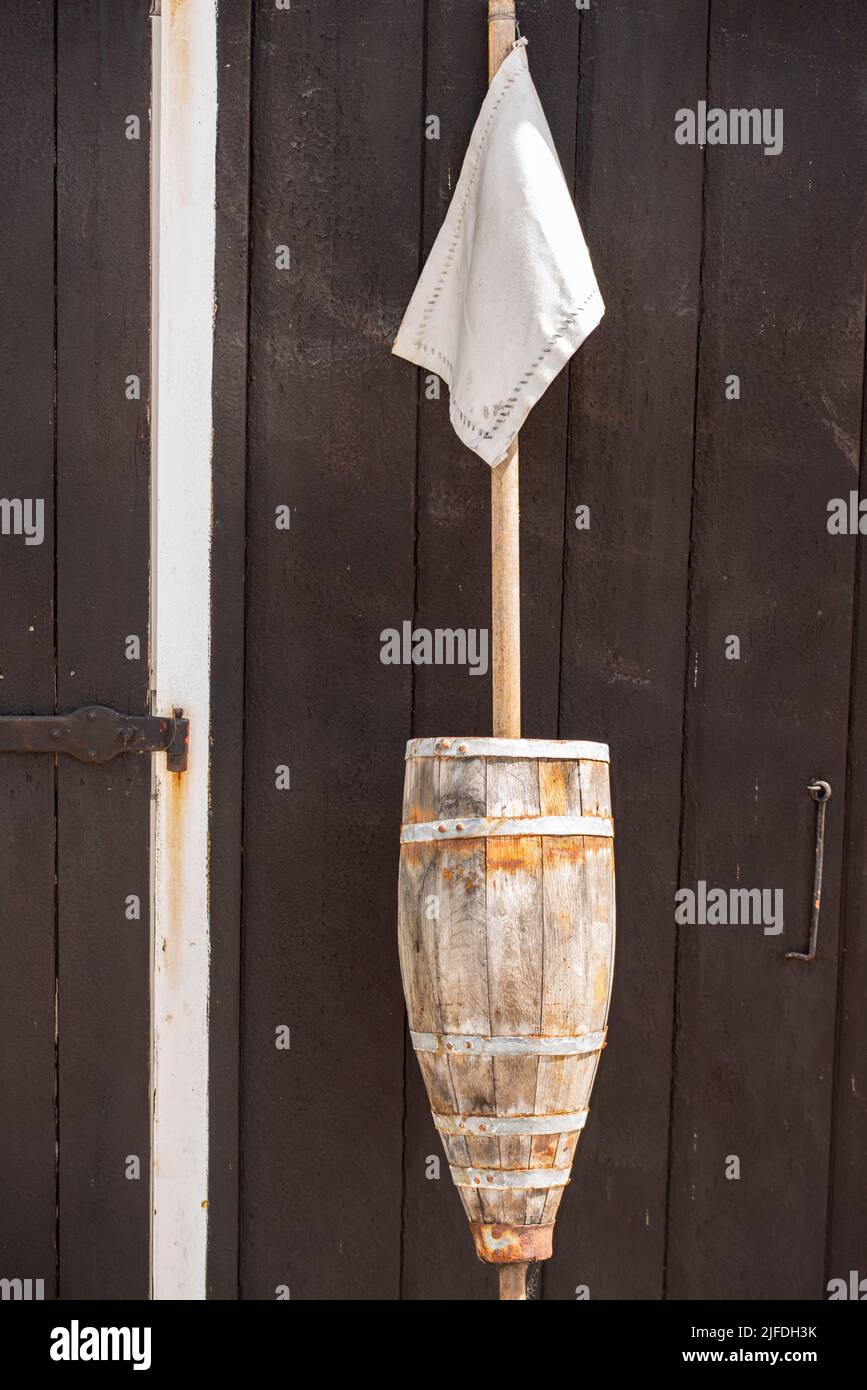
(459,826)
(441,829)
(462,748)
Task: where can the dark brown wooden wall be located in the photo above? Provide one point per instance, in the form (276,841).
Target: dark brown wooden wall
(708,518)
(74,845)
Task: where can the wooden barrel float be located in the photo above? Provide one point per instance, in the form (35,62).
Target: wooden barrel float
(506,933)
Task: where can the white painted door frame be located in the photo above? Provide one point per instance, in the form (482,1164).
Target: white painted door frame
(183,151)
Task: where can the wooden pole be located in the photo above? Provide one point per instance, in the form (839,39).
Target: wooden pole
(505,510)
(506,564)
(513,1282)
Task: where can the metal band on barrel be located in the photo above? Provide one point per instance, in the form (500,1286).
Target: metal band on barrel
(476,827)
(509,1177)
(565,750)
(489,1126)
(528,1046)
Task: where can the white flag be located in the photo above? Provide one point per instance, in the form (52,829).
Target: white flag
(508,292)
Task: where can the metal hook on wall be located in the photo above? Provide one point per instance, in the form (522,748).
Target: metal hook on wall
(821,794)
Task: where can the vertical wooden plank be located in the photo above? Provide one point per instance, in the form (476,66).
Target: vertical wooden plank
(27,783)
(625,583)
(515,941)
(460,929)
(337,126)
(227,636)
(847,1223)
(185,75)
(103,524)
(428,941)
(463,968)
(578,920)
(755,1043)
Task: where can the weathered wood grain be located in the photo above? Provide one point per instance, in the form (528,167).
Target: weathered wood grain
(515,937)
(421,790)
(515,949)
(419,881)
(520,951)
(755,1041)
(462,787)
(28,1132)
(624,602)
(337,120)
(567,952)
(103,541)
(847,1208)
(229,465)
(441,929)
(460,932)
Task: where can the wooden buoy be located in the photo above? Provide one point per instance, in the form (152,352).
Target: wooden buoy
(506,933)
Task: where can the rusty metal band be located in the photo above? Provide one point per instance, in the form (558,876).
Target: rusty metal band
(500,1244)
(489,1126)
(527,1046)
(481,827)
(491,1178)
(559,750)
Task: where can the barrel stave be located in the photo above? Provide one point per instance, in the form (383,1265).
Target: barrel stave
(462,788)
(461,926)
(421,790)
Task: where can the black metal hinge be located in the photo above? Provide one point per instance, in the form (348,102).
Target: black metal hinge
(96,734)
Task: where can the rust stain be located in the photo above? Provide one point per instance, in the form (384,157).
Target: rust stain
(568,847)
(179,20)
(499,1244)
(173,790)
(512,863)
(546,1150)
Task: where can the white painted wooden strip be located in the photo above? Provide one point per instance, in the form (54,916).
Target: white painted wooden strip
(530,1046)
(561,749)
(488,1126)
(183,144)
(479,827)
(509,1177)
